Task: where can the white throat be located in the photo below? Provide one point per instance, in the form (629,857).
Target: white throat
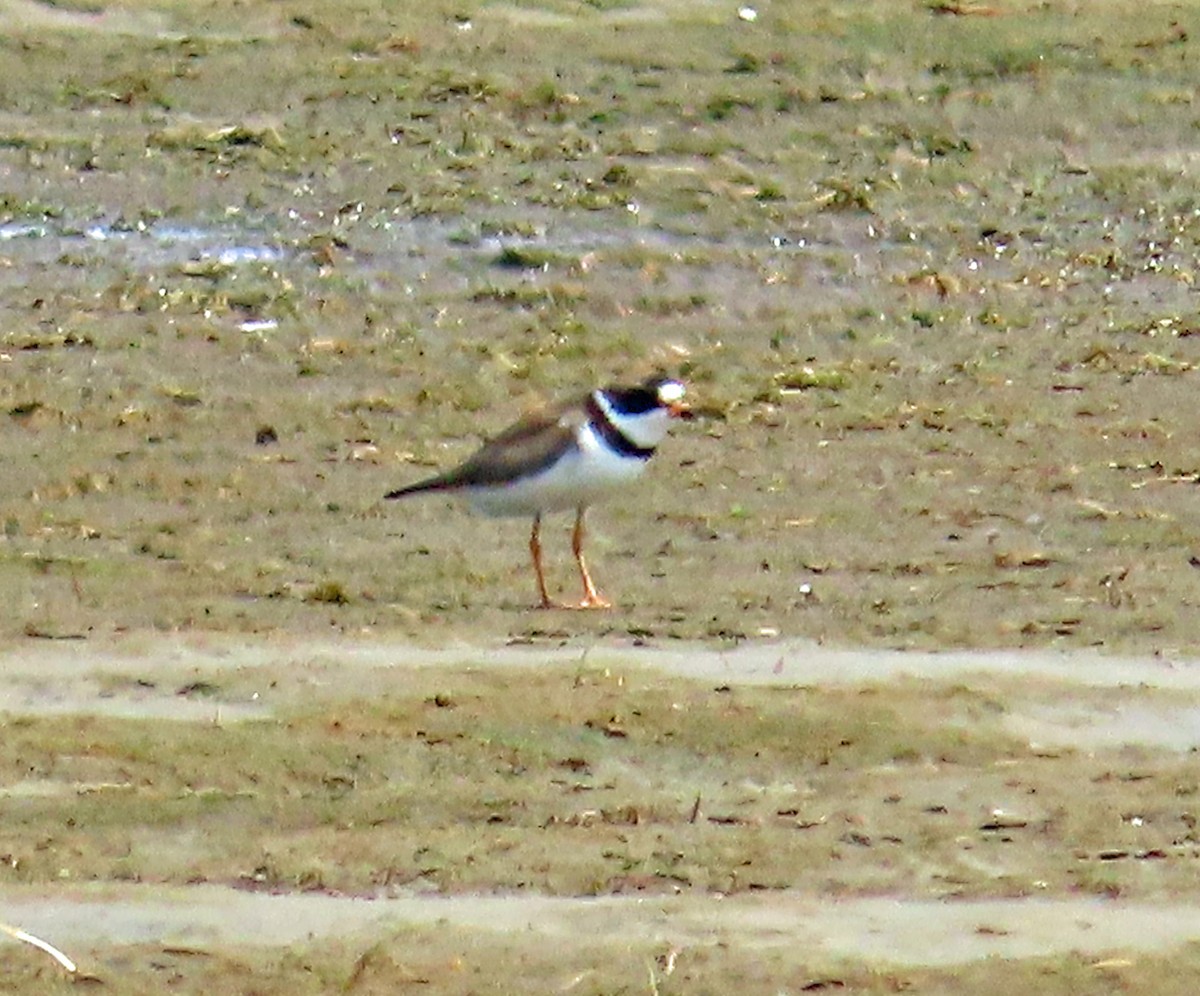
(645,431)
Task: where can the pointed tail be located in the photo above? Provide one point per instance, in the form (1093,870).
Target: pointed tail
(438,483)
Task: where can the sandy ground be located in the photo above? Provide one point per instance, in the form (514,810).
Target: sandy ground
(897,932)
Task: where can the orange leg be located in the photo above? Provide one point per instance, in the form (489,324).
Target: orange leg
(592,599)
(535,550)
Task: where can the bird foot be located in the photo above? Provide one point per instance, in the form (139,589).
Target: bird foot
(594,600)
(588,602)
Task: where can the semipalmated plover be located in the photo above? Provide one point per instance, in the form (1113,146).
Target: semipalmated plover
(565,457)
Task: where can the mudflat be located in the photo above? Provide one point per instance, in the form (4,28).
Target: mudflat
(898,691)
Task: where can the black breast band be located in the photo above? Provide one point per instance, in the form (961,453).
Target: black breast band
(613,437)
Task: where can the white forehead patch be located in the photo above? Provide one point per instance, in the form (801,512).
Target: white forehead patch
(670,391)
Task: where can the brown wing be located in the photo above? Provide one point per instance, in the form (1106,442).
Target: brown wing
(527,446)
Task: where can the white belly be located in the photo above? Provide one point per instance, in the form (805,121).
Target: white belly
(583,476)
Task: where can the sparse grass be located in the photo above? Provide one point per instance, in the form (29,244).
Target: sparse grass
(577,783)
(397,781)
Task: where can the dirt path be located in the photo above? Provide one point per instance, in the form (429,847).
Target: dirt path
(883,931)
(140,676)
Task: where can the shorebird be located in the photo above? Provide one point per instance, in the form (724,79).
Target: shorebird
(565,457)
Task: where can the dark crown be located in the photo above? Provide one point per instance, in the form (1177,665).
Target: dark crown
(636,400)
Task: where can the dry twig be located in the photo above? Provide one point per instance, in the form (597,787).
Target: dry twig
(37,942)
